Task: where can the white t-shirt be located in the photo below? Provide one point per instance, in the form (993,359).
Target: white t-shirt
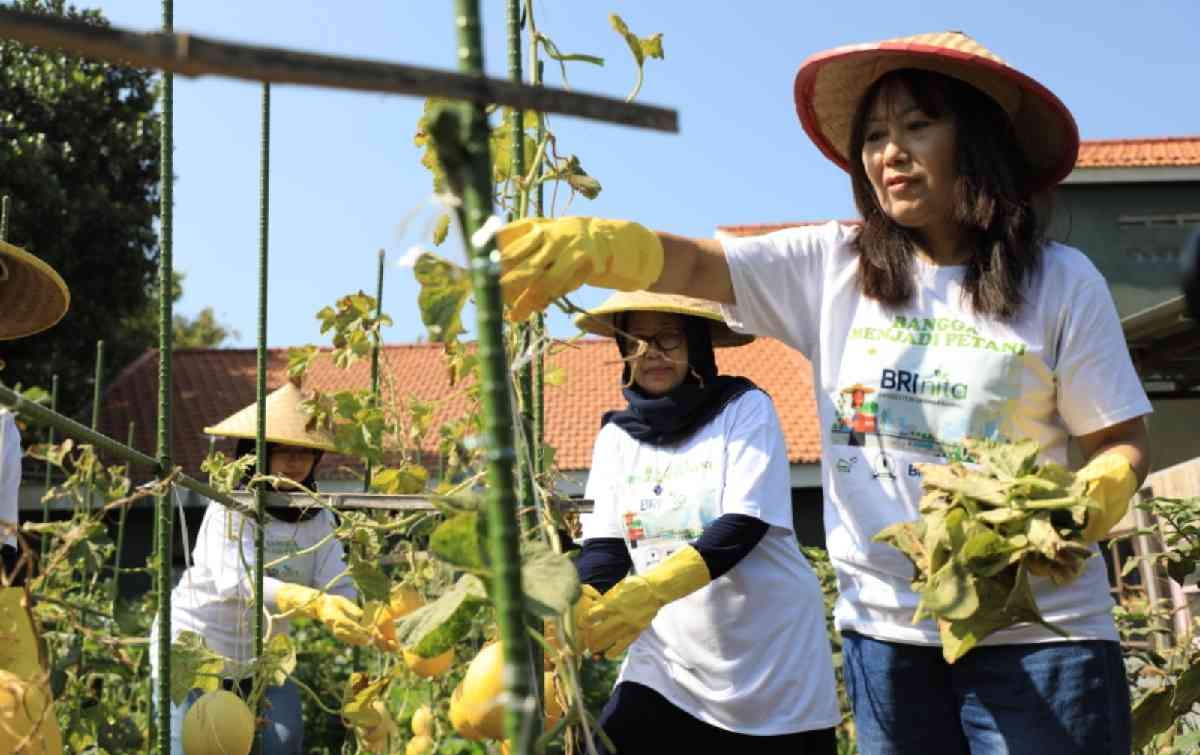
(905,387)
(748,652)
(214,596)
(10,473)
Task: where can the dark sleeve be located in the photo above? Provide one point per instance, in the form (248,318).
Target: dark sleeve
(603,562)
(11,557)
(727,540)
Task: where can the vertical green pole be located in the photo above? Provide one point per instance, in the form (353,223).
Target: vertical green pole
(164,513)
(516,125)
(121,530)
(470,162)
(375,356)
(97,384)
(49,466)
(4,218)
(539,324)
(260,440)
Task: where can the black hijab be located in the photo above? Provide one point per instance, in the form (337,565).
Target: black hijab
(675,416)
(283,513)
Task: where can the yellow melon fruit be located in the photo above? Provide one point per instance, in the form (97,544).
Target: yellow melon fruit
(218,723)
(422,721)
(429,667)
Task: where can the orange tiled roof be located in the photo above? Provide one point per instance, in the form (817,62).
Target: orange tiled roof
(1171,151)
(211,384)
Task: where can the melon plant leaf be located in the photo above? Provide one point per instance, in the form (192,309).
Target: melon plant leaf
(548,579)
(445,288)
(193,666)
(434,628)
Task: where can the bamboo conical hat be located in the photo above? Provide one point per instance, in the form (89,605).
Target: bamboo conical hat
(830,85)
(33,296)
(599,320)
(285,422)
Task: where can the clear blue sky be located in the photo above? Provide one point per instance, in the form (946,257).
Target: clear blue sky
(344,171)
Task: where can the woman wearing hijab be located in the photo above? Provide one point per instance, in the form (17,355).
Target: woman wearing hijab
(305,570)
(689,559)
(950,302)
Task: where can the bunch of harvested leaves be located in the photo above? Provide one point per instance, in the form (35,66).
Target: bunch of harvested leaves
(982,531)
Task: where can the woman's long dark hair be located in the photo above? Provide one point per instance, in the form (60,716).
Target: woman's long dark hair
(994,203)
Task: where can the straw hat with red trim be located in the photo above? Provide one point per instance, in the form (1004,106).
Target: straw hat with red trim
(286,423)
(830,84)
(599,320)
(32,296)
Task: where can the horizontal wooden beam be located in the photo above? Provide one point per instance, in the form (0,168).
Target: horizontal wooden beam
(193,55)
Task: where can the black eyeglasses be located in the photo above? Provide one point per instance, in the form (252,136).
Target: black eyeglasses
(667,340)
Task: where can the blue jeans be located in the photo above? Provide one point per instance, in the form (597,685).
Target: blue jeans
(1062,698)
(283,734)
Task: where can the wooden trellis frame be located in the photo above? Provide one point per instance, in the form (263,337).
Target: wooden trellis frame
(193,55)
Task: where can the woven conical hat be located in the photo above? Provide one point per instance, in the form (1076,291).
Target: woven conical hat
(830,84)
(33,296)
(285,422)
(600,319)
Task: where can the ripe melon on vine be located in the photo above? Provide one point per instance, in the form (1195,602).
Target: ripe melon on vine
(26,711)
(422,721)
(476,710)
(218,723)
(429,667)
(419,745)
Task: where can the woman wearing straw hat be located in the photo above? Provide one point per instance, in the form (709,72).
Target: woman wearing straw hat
(948,300)
(33,297)
(305,569)
(690,548)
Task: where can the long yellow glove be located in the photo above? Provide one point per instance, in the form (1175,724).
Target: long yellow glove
(621,614)
(543,259)
(342,617)
(1111,482)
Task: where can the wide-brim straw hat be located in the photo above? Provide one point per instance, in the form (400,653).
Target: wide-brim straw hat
(285,422)
(33,296)
(599,320)
(830,85)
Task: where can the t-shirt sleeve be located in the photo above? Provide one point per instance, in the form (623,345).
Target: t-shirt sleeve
(601,487)
(757,480)
(331,565)
(10,474)
(1097,383)
(777,282)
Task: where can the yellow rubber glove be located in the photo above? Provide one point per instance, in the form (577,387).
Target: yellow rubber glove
(1111,482)
(542,259)
(342,617)
(621,614)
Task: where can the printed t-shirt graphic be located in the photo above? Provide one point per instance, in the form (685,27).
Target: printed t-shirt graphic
(667,510)
(923,385)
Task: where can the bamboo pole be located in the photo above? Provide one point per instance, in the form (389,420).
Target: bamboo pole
(194,55)
(164,512)
(461,136)
(260,440)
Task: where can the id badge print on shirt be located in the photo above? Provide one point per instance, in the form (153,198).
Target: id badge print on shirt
(922,385)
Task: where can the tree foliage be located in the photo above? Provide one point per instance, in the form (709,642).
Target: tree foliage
(79,156)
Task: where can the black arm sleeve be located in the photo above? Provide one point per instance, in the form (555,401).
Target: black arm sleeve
(727,540)
(603,562)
